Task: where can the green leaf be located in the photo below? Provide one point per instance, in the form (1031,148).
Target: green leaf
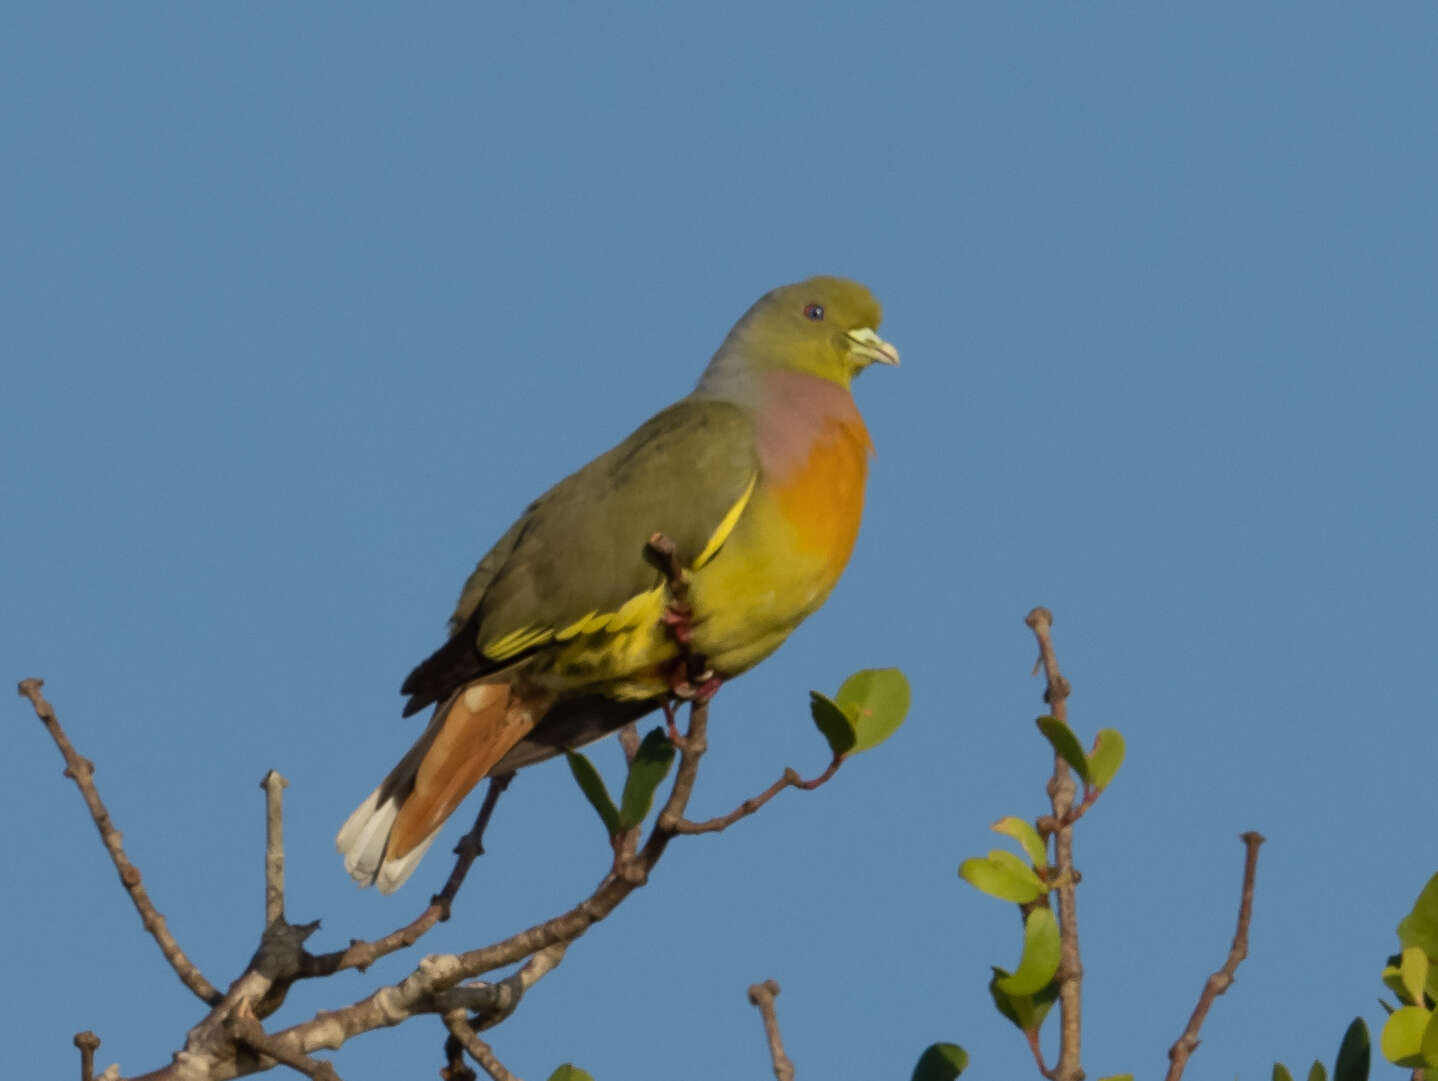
(1027,1012)
(1316,1072)
(1027,837)
(1065,745)
(1003,875)
(651,764)
(1280,1072)
(1117,1077)
(876,701)
(1429,1046)
(1353,1053)
(833,722)
(941,1062)
(1420,926)
(1413,972)
(569,1072)
(1040,958)
(1402,1038)
(1393,980)
(1105,758)
(592,785)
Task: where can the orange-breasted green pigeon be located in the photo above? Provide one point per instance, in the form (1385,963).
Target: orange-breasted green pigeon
(563,632)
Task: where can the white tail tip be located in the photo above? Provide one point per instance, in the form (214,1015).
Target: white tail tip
(362,840)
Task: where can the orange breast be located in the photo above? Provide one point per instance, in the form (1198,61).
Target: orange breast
(824,498)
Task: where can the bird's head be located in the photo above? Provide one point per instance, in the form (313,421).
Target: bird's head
(823,326)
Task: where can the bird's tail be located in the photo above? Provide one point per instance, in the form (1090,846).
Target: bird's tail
(383,840)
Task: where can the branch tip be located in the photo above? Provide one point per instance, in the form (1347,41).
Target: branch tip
(1220,981)
(88,1043)
(82,772)
(762,995)
(274,786)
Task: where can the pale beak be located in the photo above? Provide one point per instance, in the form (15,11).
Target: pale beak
(865,343)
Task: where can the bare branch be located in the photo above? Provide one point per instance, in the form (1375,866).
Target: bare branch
(274,786)
(248,1031)
(423,990)
(1061,791)
(361,955)
(494,1002)
(259,990)
(88,1043)
(478,1050)
(763,995)
(471,845)
(455,1068)
(82,772)
(1221,980)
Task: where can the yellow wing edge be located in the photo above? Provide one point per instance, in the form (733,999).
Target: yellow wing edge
(630,613)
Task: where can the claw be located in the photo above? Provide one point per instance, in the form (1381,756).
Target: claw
(698,688)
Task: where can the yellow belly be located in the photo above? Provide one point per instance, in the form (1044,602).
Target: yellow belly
(783,558)
(776,568)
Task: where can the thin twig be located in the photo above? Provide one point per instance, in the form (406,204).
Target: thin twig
(1061,790)
(471,845)
(360,954)
(763,995)
(790,779)
(455,1068)
(274,786)
(88,1043)
(1221,980)
(480,1051)
(629,741)
(82,772)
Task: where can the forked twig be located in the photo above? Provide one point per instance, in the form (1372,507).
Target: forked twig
(248,1031)
(460,1028)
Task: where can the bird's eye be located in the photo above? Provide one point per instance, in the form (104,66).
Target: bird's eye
(814,312)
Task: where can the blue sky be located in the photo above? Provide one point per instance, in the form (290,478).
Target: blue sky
(303,304)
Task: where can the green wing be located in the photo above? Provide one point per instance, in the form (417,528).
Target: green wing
(577,552)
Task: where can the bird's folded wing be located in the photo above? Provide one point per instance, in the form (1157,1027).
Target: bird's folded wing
(574,562)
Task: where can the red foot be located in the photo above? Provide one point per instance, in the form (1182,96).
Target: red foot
(669,725)
(683,690)
(676,617)
(708,687)
(693,688)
